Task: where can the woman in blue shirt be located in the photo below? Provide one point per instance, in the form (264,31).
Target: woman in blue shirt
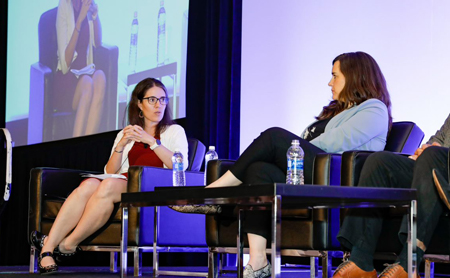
(357,118)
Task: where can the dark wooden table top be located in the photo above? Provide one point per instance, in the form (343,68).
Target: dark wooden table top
(299,196)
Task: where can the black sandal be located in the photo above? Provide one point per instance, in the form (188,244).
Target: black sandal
(50,269)
(37,240)
(60,256)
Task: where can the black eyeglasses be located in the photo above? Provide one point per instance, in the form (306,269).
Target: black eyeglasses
(154,100)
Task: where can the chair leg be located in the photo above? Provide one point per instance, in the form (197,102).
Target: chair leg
(33,260)
(137,261)
(326,265)
(429,269)
(113,262)
(213,263)
(314,267)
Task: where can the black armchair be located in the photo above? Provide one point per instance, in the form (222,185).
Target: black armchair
(43,123)
(318,228)
(178,232)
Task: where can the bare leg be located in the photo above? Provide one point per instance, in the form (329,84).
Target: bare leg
(258,257)
(96,108)
(228,179)
(97,212)
(68,216)
(81,103)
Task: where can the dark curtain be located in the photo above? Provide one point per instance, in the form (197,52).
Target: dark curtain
(213,107)
(213,78)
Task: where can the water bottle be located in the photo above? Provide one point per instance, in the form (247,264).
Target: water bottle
(295,156)
(210,155)
(178,169)
(161,47)
(133,44)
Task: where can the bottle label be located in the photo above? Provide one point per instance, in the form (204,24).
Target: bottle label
(295,164)
(178,166)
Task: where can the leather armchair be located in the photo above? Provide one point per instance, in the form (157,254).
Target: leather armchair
(318,228)
(178,232)
(43,123)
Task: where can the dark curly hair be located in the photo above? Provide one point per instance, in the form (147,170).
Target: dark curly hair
(138,94)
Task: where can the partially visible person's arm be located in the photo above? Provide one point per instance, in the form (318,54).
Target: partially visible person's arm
(437,139)
(370,121)
(175,138)
(420,150)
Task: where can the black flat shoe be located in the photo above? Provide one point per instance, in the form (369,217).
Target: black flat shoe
(37,240)
(46,270)
(61,257)
(442,187)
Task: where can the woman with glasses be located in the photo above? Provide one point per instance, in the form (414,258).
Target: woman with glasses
(149,140)
(357,118)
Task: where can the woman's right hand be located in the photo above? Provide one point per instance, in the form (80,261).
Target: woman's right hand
(130,133)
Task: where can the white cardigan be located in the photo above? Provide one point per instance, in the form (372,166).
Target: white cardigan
(65,25)
(172,138)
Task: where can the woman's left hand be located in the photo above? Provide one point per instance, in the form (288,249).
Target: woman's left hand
(94,9)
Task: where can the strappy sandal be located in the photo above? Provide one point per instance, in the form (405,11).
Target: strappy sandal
(37,240)
(60,256)
(46,270)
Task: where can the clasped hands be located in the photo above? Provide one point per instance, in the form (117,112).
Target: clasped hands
(137,134)
(419,151)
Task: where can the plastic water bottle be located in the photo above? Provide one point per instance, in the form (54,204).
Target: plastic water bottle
(295,156)
(161,47)
(133,44)
(178,169)
(210,155)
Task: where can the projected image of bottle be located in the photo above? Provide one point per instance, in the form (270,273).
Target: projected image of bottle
(162,43)
(133,44)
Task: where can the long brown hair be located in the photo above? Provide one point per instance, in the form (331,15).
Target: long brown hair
(363,80)
(138,94)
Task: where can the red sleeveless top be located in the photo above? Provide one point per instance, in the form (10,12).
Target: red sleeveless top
(141,154)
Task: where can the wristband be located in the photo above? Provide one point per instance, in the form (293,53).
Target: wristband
(118,151)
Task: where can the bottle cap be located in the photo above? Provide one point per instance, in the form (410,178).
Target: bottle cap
(212,148)
(295,142)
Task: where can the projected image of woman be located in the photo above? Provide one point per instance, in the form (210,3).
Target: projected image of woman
(78,31)
(357,118)
(149,140)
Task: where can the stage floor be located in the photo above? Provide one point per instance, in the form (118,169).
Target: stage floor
(96,272)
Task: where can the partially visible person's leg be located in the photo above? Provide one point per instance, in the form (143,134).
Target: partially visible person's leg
(97,212)
(257,223)
(361,228)
(429,205)
(96,106)
(81,103)
(271,146)
(68,216)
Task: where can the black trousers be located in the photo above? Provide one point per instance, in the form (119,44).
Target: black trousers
(362,227)
(265,161)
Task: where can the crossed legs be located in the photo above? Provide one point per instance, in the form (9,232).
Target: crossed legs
(85,211)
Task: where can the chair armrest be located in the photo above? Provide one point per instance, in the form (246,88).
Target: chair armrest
(49,183)
(146,178)
(216,168)
(352,163)
(327,169)
(41,80)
